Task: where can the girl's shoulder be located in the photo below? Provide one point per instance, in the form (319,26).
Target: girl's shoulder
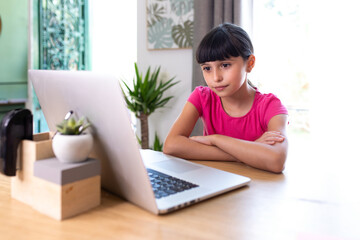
(205,93)
(265,97)
(269,102)
(202,97)
(203,90)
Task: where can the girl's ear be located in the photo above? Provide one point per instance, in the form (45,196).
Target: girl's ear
(250,63)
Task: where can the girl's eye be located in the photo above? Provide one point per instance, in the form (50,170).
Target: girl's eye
(225,65)
(206,68)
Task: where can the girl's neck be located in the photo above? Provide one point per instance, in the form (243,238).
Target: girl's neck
(240,103)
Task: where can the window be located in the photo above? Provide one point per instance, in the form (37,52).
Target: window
(280,38)
(63,42)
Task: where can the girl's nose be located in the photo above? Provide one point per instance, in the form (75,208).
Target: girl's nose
(217,76)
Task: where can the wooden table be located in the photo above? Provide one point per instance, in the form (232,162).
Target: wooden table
(315,198)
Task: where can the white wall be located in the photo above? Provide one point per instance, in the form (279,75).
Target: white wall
(113,37)
(177,62)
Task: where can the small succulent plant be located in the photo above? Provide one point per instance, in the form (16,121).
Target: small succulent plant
(72,127)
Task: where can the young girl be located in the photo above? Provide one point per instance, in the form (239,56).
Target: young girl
(240,123)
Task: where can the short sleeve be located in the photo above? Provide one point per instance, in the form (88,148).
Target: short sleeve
(273,107)
(195,99)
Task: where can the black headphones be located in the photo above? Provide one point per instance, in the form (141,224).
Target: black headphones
(15,126)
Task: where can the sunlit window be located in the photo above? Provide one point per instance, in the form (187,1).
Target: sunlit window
(280,38)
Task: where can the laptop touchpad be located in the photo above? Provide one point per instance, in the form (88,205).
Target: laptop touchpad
(176,166)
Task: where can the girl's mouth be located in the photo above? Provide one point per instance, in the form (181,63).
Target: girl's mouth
(220,88)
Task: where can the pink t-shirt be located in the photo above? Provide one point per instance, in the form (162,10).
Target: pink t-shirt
(248,127)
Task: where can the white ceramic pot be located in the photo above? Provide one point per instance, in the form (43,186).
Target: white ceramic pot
(72,148)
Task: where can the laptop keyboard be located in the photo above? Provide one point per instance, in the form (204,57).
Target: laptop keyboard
(164,185)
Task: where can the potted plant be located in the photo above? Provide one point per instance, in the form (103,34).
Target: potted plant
(145,97)
(158,146)
(71,144)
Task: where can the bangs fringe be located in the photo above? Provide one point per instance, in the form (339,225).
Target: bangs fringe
(217,48)
(219,45)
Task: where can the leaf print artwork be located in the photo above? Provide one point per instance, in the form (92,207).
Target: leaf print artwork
(170,24)
(182,7)
(183,34)
(155,14)
(159,34)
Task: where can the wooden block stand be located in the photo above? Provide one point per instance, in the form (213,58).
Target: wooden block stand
(55,189)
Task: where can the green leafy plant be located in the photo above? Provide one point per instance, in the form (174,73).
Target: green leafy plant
(72,127)
(145,96)
(158,146)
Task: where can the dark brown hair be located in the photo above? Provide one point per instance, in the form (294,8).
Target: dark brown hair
(224,41)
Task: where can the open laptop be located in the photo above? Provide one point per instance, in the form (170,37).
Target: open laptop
(126,170)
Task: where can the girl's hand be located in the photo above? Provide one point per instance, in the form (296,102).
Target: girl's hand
(270,138)
(202,139)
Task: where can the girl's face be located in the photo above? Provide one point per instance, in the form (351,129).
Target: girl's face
(226,77)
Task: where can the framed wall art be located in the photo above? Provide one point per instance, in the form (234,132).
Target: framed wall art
(170,24)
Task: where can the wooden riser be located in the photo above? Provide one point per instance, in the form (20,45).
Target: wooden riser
(57,200)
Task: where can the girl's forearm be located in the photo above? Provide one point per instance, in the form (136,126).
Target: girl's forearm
(184,147)
(259,155)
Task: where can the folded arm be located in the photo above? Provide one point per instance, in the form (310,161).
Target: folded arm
(268,152)
(179,144)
